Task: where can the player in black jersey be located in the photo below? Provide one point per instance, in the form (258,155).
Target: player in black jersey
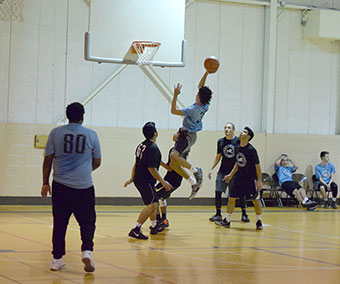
(247,181)
(226,151)
(174,179)
(144,175)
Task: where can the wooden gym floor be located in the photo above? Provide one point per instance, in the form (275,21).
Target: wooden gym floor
(295,246)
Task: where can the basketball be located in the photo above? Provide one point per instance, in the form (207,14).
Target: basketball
(211,64)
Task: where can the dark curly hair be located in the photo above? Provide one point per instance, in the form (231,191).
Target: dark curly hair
(75,112)
(205,94)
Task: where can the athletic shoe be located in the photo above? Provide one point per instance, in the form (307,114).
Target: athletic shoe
(195,188)
(326,205)
(137,234)
(87,260)
(166,223)
(334,206)
(312,208)
(158,228)
(199,176)
(57,264)
(309,203)
(215,218)
(259,225)
(245,218)
(224,223)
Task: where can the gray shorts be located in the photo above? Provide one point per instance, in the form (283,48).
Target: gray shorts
(220,185)
(185,141)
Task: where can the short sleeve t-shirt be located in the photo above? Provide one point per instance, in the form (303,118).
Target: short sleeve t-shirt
(325,172)
(246,159)
(227,148)
(73,147)
(284,174)
(147,156)
(193,116)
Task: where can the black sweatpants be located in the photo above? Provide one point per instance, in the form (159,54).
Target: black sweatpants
(80,202)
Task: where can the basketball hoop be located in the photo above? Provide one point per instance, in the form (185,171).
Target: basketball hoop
(11,10)
(146,50)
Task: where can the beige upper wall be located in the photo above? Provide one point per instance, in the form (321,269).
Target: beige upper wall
(20,167)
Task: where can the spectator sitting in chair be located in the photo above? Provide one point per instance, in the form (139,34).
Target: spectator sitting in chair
(324,173)
(284,167)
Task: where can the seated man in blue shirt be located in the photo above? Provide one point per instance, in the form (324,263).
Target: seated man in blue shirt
(284,172)
(325,172)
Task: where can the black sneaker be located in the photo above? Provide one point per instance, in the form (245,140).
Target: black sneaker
(224,223)
(259,225)
(199,176)
(215,218)
(166,223)
(137,234)
(158,228)
(334,206)
(312,208)
(245,218)
(309,203)
(326,205)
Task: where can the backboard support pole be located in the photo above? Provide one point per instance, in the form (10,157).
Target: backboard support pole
(159,83)
(99,88)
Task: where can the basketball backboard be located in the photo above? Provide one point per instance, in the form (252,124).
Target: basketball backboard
(115,24)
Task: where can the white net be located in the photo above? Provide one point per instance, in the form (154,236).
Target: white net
(11,10)
(146,50)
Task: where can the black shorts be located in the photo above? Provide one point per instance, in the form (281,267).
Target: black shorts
(185,141)
(147,191)
(243,188)
(289,187)
(333,186)
(174,179)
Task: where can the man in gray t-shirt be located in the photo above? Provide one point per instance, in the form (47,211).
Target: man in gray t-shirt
(74,152)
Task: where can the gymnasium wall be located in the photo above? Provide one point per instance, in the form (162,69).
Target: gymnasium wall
(21,164)
(42,70)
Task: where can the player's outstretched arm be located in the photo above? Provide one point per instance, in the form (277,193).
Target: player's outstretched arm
(166,166)
(202,82)
(174,109)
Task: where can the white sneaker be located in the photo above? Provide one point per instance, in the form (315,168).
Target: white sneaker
(87,260)
(57,264)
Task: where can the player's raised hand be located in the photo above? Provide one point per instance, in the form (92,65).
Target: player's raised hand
(177,89)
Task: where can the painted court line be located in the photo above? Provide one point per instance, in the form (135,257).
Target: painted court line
(297,257)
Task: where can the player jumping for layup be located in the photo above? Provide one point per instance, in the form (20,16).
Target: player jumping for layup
(192,123)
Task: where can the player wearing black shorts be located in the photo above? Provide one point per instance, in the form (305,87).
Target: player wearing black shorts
(226,152)
(144,175)
(247,173)
(174,179)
